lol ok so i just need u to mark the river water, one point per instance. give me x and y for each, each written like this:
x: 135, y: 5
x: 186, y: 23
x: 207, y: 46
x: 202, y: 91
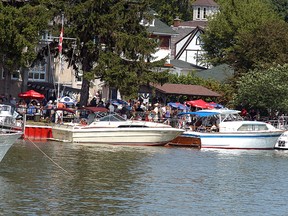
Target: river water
x: 76, y: 179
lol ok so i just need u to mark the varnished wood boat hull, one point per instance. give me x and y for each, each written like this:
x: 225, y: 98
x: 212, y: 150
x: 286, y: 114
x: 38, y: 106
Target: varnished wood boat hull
x: 182, y: 141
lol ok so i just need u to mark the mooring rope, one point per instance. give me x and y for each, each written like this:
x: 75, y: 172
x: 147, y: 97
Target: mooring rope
x: 49, y: 158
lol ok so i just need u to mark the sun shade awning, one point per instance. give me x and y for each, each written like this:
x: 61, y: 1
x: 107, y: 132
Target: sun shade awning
x: 200, y: 114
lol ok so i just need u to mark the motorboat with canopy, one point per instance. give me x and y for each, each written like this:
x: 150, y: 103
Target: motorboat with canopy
x: 231, y: 131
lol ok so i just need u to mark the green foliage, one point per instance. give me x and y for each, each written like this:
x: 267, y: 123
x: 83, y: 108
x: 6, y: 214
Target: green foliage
x: 111, y: 43
x: 225, y: 35
x: 20, y: 32
x: 281, y: 7
x: 264, y: 89
x: 262, y: 47
x: 168, y: 10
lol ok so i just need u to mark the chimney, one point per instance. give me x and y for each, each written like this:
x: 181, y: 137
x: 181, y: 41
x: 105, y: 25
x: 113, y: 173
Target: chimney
x: 177, y: 22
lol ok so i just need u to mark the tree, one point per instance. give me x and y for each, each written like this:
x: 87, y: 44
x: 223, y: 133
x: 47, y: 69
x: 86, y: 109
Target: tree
x: 264, y: 89
x: 169, y: 10
x: 281, y: 7
x: 21, y: 28
x: 261, y: 47
x: 111, y: 43
x: 225, y: 35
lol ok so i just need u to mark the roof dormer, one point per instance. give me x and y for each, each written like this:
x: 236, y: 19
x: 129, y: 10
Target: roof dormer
x: 204, y: 8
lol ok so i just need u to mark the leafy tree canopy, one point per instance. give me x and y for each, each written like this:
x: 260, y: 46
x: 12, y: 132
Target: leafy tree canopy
x: 111, y: 43
x: 225, y: 37
x: 20, y: 32
x: 168, y: 10
x: 281, y: 7
x: 265, y: 90
x: 261, y: 47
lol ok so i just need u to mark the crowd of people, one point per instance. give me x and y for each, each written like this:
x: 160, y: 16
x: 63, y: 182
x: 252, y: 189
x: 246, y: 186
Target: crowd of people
x: 139, y: 110
x: 134, y: 109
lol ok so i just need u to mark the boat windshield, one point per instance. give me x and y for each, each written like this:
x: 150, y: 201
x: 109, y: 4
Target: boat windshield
x: 112, y: 117
x: 253, y: 127
x: 5, y: 108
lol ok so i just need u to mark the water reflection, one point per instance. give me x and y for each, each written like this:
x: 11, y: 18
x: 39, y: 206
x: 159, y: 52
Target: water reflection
x: 125, y: 180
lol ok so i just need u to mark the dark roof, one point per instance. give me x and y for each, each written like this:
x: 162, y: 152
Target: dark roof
x: 181, y: 89
x: 220, y: 73
x: 185, y: 65
x: 204, y: 3
x: 44, y: 86
x: 194, y: 24
x: 160, y: 28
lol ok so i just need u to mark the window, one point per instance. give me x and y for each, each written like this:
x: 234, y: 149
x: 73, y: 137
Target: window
x: 198, y: 41
x: 204, y: 13
x: 46, y: 36
x: 146, y: 22
x: 16, y: 75
x: 198, y: 13
x: 252, y: 127
x: 79, y: 77
x: 38, y: 72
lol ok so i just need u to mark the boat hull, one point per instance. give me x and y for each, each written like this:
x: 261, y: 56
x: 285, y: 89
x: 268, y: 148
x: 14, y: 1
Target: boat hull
x: 185, y: 141
x: 282, y: 142
x: 257, y: 141
x: 7, y: 139
x: 118, y: 136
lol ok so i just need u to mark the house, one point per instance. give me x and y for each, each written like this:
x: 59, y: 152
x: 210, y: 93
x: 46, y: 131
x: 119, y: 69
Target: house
x: 187, y: 52
x: 43, y: 76
x: 186, y: 46
x: 163, y: 33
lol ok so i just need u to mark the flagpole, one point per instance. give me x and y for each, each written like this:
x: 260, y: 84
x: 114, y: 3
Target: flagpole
x: 60, y: 56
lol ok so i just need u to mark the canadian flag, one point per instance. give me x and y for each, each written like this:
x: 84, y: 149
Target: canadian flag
x: 60, y: 40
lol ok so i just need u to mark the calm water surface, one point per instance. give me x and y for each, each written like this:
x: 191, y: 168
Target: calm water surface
x: 117, y: 180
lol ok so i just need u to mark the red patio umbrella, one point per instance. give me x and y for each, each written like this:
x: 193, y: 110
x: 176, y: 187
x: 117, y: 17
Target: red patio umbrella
x: 200, y: 104
x: 31, y: 94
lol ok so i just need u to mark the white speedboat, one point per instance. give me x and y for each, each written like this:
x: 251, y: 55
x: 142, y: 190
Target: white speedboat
x: 7, y: 139
x: 232, y: 132
x: 282, y: 141
x: 8, y: 118
x: 10, y: 130
x: 114, y: 129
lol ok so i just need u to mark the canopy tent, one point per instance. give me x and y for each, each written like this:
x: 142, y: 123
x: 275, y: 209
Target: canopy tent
x: 31, y: 94
x: 67, y: 100
x: 216, y: 105
x: 199, y: 104
x: 210, y: 112
x: 177, y: 105
x: 199, y: 113
x: 118, y: 102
